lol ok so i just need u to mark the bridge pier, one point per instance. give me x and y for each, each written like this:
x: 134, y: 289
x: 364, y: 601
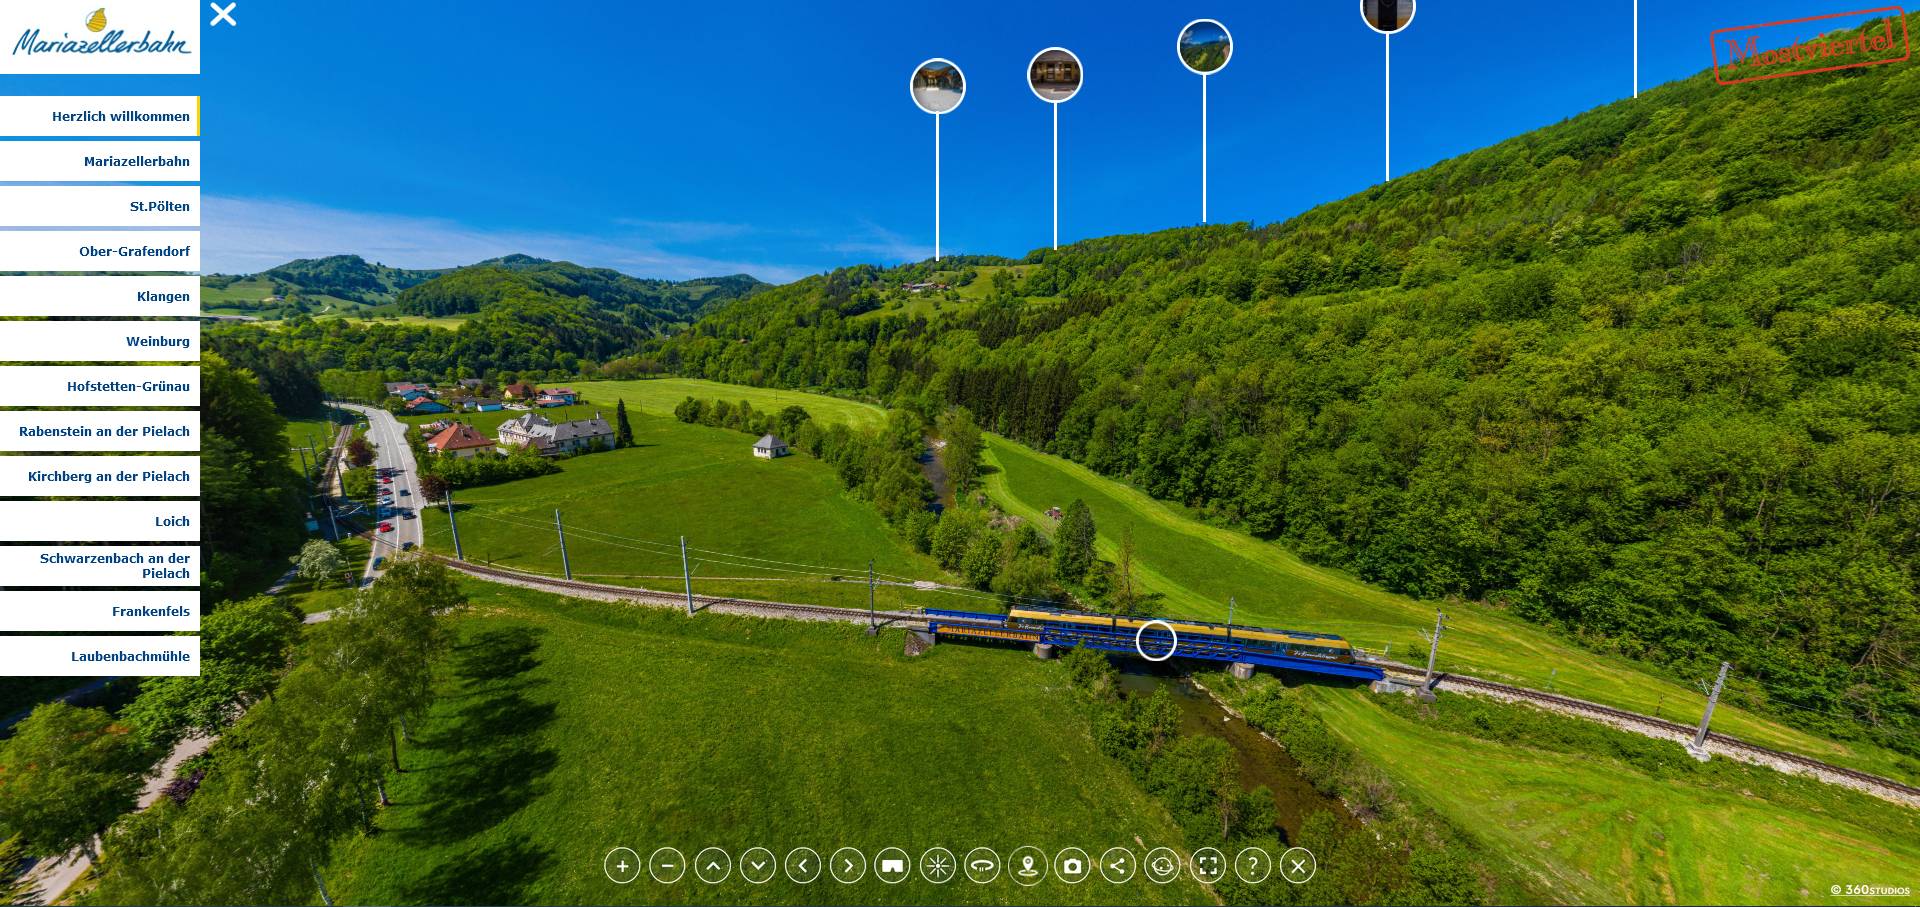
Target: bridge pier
x: 1242, y: 671
x: 918, y: 642
x: 1416, y: 690
x: 1043, y: 650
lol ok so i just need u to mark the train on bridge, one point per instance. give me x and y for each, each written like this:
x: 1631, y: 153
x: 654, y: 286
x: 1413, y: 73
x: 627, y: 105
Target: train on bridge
x: 1159, y: 639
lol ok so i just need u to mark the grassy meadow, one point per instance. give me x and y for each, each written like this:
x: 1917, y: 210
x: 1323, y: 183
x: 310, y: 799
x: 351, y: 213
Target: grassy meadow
x: 1595, y: 827
x: 781, y: 529
x: 658, y: 396
x: 568, y: 728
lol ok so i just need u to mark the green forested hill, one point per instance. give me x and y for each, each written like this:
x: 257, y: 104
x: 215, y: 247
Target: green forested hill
x: 639, y: 302
x: 1651, y: 374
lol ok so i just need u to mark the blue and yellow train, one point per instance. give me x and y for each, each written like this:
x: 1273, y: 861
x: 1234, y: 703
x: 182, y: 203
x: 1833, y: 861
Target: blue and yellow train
x: 1160, y: 638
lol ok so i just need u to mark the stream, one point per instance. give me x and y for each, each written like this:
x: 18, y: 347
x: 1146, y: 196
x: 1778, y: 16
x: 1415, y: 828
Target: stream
x: 1262, y: 762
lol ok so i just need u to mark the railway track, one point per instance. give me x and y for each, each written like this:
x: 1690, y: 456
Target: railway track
x: 1733, y: 747
x: 748, y: 606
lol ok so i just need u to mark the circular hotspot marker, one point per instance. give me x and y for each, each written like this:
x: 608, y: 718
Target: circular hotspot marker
x: 1253, y: 865
x: 1170, y: 632
x: 1027, y: 865
x: 757, y: 865
x: 1297, y: 865
x: 623, y: 870
x: 713, y: 865
x: 849, y: 865
x: 1204, y: 46
x: 1055, y: 75
x: 983, y: 865
x: 1116, y: 865
x: 667, y: 865
x: 1162, y: 865
x: 937, y: 865
x: 802, y: 865
x: 1386, y: 16
x: 937, y: 86
x: 1209, y: 865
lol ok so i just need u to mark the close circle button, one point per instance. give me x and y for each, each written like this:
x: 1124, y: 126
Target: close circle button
x: 1297, y: 865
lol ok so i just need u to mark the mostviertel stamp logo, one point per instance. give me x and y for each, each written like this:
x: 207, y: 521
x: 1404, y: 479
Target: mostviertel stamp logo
x: 1797, y: 47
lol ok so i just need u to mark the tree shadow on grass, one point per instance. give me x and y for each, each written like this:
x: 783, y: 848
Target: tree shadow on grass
x: 494, y: 760
x: 495, y: 874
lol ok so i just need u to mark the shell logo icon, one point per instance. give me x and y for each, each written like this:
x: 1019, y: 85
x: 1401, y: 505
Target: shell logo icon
x: 98, y: 21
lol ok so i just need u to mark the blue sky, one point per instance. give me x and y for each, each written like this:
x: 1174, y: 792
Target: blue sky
x: 779, y: 138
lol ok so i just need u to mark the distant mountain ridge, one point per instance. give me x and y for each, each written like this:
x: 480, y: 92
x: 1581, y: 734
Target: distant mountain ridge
x: 349, y: 284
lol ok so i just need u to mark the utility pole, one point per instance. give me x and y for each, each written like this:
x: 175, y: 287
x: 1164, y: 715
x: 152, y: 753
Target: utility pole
x: 1699, y: 746
x: 686, y: 574
x: 304, y: 470
x: 1433, y: 648
x: 1229, y: 617
x: 565, y: 568
x: 873, y: 618
x: 455, y: 525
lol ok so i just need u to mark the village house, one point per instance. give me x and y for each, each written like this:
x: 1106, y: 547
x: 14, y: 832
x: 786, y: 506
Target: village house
x: 403, y: 388
x: 552, y: 439
x: 521, y: 390
x: 483, y: 405
x: 460, y: 440
x: 424, y: 405
x: 472, y: 384
x: 770, y: 447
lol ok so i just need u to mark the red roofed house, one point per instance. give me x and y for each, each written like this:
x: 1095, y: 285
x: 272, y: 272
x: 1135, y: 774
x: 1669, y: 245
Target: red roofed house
x: 420, y: 405
x: 460, y: 440
x: 521, y: 390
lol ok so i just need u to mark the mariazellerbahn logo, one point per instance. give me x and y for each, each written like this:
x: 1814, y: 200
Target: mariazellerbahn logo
x: 109, y: 42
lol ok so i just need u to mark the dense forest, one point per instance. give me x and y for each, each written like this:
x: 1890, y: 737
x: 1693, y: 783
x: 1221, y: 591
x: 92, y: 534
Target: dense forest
x: 246, y: 480
x: 1648, y: 375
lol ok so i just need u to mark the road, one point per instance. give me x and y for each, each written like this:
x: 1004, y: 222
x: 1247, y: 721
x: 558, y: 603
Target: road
x: 389, y: 437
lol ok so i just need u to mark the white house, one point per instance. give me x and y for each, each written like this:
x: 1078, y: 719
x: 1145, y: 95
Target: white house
x: 770, y: 447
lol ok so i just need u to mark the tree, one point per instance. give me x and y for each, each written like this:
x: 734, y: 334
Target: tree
x: 622, y: 430
x: 244, y: 648
x: 690, y: 410
x: 982, y: 561
x: 1126, y: 596
x: 964, y: 444
x: 67, y: 773
x: 319, y: 560
x: 790, y: 420
x: 1073, y: 543
x: 433, y: 487
x: 360, y: 452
